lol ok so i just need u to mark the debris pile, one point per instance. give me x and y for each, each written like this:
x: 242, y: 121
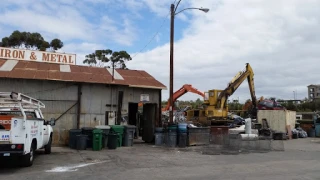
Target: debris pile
x: 178, y: 116
x: 300, y: 132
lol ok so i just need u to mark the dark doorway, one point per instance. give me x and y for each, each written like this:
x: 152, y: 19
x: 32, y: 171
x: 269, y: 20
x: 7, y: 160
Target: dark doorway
x: 132, y: 114
x: 149, y: 118
x: 133, y: 117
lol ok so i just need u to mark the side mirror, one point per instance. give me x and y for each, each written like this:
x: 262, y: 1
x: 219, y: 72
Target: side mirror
x: 52, y: 121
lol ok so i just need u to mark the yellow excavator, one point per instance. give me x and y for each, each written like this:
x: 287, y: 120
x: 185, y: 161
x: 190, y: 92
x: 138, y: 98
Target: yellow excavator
x: 215, y: 111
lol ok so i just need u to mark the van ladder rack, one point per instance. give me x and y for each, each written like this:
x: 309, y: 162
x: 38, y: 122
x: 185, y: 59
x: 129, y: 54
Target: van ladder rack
x: 13, y: 99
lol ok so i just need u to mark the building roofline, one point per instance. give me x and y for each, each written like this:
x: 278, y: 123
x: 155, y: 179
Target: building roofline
x: 76, y: 73
x: 149, y: 87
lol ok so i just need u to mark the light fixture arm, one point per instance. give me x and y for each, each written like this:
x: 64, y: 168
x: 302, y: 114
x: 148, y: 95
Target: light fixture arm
x: 190, y: 8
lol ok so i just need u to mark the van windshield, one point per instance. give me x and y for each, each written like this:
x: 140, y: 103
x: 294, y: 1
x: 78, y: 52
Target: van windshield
x: 29, y: 114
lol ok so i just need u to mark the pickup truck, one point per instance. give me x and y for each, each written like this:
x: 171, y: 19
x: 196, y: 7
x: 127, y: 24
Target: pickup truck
x: 23, y: 129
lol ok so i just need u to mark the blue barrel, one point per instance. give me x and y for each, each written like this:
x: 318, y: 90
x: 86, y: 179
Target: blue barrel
x: 182, y: 139
x: 172, y: 139
x: 182, y: 127
x: 317, y: 128
x: 312, y: 133
x: 158, y: 139
x: 159, y: 129
x: 172, y: 128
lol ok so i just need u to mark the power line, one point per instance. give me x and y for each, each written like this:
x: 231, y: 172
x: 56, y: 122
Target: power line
x: 153, y: 36
x: 165, y: 19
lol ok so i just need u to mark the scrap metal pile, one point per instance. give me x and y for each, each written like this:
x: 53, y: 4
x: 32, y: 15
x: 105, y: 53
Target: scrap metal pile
x: 178, y: 115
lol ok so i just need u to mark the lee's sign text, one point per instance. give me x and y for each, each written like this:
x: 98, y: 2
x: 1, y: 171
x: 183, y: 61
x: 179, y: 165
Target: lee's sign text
x: 37, y: 56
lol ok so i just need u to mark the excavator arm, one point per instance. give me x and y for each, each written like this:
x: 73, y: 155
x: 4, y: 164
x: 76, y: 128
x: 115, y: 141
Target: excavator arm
x: 184, y: 89
x: 235, y: 83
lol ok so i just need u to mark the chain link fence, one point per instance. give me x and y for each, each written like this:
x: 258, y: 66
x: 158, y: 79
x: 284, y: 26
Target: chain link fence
x: 234, y: 144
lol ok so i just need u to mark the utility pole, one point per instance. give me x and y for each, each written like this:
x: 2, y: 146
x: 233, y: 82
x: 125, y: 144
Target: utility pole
x: 171, y: 62
x: 173, y: 9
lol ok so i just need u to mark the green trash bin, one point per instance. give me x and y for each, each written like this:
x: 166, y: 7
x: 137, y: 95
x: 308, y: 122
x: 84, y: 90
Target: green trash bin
x: 105, y: 133
x: 118, y: 129
x: 97, y: 140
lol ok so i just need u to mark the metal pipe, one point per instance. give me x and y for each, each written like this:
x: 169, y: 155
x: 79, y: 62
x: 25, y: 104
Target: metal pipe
x: 247, y: 126
x: 171, y: 63
x: 159, y: 110
x: 111, y: 107
x: 248, y: 137
x: 79, y: 105
x: 57, y: 100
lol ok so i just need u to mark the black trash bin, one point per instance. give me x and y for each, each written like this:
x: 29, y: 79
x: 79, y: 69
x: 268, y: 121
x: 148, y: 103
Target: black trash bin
x: 182, y: 139
x: 129, y: 131
x: 73, y: 137
x: 106, y: 130
x: 113, y: 140
x: 82, y: 142
x: 89, y: 132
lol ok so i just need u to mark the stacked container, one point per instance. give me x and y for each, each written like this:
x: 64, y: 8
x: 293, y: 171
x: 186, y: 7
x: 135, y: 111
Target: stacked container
x: 171, y: 139
x: 129, y: 131
x: 159, y: 136
x: 105, y: 134
x: 118, y: 129
x: 182, y: 134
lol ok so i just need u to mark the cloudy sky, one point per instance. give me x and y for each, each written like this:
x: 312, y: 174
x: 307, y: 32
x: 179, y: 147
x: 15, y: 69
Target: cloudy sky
x: 279, y: 38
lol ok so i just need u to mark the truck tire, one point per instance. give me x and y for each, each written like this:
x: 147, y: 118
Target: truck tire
x: 27, y: 160
x: 47, y: 148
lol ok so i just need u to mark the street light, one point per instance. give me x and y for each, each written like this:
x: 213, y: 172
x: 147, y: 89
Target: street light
x: 173, y: 10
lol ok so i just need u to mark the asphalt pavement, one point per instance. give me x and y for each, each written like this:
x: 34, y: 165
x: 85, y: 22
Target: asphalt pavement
x: 300, y: 160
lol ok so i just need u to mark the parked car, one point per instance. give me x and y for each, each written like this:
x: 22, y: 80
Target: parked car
x: 270, y: 105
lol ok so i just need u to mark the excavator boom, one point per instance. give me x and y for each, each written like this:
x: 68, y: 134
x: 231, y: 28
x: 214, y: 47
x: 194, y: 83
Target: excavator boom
x: 184, y: 89
x: 235, y: 83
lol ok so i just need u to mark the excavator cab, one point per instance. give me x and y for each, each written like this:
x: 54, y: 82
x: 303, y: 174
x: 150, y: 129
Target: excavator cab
x: 212, y: 97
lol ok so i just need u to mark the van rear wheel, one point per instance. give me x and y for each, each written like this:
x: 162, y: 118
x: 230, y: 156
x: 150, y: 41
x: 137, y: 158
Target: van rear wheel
x: 27, y: 160
x: 47, y: 148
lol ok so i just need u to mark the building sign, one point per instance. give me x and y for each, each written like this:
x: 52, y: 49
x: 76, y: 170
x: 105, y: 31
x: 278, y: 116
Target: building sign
x: 144, y: 97
x: 37, y: 56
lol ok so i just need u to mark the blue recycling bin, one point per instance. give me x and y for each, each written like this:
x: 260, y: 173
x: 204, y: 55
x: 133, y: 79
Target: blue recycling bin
x: 316, y: 122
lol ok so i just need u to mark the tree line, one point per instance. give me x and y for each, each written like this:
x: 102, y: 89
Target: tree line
x: 302, y: 106
x: 34, y: 41
x: 31, y: 41
x: 108, y: 58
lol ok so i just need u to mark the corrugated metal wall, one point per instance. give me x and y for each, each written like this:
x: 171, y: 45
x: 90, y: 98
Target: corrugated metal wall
x: 60, y: 96
x: 49, y: 92
x: 95, y: 98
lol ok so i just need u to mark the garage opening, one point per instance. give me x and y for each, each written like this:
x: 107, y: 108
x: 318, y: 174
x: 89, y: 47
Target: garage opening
x: 149, y: 118
x: 134, y: 118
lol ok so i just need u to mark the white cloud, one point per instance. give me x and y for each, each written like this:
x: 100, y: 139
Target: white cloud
x: 122, y: 33
x: 67, y: 21
x: 81, y: 49
x: 64, y: 27
x: 278, y: 38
